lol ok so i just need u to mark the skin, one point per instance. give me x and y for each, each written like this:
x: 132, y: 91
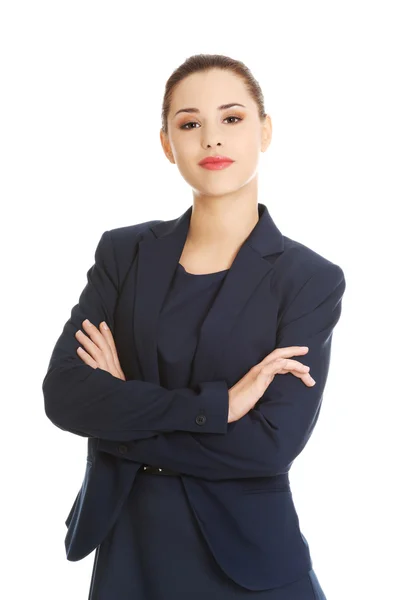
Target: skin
x: 224, y: 202
x: 224, y: 211
x: 99, y: 348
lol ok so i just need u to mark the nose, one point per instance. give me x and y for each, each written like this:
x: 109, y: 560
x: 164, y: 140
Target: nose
x: 212, y: 145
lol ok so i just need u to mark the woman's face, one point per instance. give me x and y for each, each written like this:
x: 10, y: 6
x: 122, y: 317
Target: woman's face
x: 236, y: 132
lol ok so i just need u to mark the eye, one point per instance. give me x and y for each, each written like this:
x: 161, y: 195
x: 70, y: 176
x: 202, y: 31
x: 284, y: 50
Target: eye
x: 184, y: 126
x: 234, y: 117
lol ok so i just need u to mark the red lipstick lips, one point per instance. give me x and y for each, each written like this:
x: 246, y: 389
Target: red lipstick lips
x: 216, y: 162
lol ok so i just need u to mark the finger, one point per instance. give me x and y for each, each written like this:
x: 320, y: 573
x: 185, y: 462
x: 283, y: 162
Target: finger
x: 299, y: 370
x: 86, y: 358
x: 106, y: 332
x: 308, y: 380
x: 91, y: 348
x: 285, y: 353
x: 116, y: 367
x: 100, y: 341
x: 95, y: 335
x: 287, y: 364
x: 102, y: 348
x: 306, y: 377
x: 301, y: 373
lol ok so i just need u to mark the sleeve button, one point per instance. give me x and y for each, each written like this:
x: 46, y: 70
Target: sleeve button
x: 201, y: 419
x: 123, y: 448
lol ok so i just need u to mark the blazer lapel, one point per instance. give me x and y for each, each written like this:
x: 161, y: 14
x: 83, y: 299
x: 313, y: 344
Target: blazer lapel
x: 157, y: 261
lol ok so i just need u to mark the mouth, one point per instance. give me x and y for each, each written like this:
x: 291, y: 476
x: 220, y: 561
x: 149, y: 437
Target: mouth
x: 216, y: 166
x: 216, y: 163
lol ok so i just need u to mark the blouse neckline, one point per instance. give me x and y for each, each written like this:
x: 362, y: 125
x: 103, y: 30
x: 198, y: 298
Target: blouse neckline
x: 215, y: 273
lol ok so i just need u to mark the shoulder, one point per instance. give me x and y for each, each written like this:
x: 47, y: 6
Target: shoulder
x: 119, y: 245
x: 125, y: 239
x: 131, y: 233
x: 299, y: 258
x: 300, y: 266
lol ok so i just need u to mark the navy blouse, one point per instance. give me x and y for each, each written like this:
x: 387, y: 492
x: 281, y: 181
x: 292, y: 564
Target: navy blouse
x: 187, y: 303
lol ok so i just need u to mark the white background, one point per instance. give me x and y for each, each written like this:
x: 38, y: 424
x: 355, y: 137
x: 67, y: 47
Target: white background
x: 81, y: 92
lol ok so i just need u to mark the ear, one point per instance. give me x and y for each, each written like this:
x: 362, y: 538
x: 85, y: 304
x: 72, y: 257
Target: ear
x: 166, y: 146
x: 266, y: 133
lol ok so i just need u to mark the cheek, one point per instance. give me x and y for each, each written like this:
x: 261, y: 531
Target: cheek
x: 245, y: 144
x: 185, y: 153
x: 184, y: 162
x: 248, y: 156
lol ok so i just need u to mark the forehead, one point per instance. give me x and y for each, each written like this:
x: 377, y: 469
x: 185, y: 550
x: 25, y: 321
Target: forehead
x: 212, y: 87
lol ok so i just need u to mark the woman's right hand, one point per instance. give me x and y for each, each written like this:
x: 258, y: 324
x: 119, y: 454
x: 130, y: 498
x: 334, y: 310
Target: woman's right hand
x: 244, y: 395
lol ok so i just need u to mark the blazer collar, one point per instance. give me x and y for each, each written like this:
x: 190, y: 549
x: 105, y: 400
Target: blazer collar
x: 158, y: 257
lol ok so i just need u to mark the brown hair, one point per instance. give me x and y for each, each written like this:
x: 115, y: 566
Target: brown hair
x: 205, y: 62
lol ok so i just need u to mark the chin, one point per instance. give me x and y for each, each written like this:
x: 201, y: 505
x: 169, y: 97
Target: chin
x: 214, y: 191
x: 221, y: 188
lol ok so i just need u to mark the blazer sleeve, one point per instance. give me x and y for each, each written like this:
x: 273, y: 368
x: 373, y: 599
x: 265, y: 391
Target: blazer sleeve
x: 93, y: 403
x: 266, y: 440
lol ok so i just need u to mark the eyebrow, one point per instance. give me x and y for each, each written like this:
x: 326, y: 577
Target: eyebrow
x: 196, y: 110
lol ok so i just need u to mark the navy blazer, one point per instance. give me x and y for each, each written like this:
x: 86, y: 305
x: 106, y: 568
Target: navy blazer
x: 277, y: 293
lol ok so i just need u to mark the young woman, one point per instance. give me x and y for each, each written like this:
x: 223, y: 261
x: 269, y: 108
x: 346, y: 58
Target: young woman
x: 195, y: 363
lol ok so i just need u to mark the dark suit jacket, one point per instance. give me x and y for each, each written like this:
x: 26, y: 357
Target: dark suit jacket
x: 277, y: 293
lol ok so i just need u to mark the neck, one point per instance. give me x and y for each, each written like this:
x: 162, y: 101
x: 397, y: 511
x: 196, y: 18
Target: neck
x: 222, y: 221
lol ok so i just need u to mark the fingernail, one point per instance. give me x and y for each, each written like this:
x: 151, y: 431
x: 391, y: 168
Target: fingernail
x: 87, y: 322
x: 313, y: 381
x: 105, y: 325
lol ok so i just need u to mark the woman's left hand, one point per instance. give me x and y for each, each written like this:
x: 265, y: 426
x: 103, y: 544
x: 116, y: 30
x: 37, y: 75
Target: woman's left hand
x: 99, y: 348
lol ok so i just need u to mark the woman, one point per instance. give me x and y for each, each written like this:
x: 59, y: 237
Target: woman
x: 186, y: 494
